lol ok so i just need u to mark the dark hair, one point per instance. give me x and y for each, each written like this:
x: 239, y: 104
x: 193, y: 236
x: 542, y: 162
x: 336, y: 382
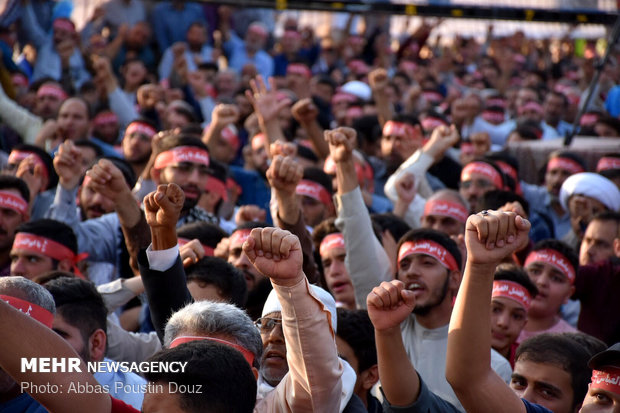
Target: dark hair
x: 85, y: 143
x: 355, y: 327
x: 192, y: 129
x: 560, y: 95
x: 252, y: 225
x: 173, y: 141
x: 52, y: 275
x: 323, y: 229
x: 407, y: 118
x: 226, y: 379
x: 388, y: 221
x: 609, y: 216
x: 592, y: 344
x: 317, y: 175
x: 529, y: 130
x: 207, y: 233
x: 45, y: 158
x: 125, y: 168
x: 560, y: 247
x: 79, y: 303
x: 563, y: 352
x: 307, y: 153
x: 518, y: 275
x: 368, y: 129
x: 52, y: 229
x: 504, y: 157
x: 497, y: 198
x: 435, y: 236
x: 13, y: 182
x: 611, y: 122
x: 228, y: 280
x: 328, y: 81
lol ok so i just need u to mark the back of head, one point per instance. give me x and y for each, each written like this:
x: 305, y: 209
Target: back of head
x: 392, y: 223
x: 227, y: 280
x: 355, y: 328
x: 79, y: 303
x: 208, y: 234
x: 562, y: 352
x: 219, y: 320
x: 221, y: 373
x: 24, y: 289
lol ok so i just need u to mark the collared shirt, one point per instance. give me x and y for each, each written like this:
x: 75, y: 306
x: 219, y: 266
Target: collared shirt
x: 122, y: 386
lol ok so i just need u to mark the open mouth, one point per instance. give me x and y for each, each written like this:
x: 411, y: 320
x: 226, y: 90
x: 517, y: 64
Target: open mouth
x: 414, y: 286
x: 339, y: 287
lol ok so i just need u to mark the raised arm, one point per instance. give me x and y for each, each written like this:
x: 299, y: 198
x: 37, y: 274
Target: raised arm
x: 306, y: 113
x: 267, y: 106
x: 489, y: 237
x: 313, y: 382
x: 378, y: 80
x: 283, y: 175
x: 366, y: 260
x: 23, y: 337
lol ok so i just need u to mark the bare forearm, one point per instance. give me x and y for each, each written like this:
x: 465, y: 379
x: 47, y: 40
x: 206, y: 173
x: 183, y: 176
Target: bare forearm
x: 399, y: 380
x: 129, y: 213
x: 163, y: 238
x: 469, y: 340
x: 273, y: 131
x: 384, y: 108
x: 316, y: 136
x: 288, y: 207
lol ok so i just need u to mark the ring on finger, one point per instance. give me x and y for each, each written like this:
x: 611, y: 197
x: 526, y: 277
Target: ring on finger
x: 484, y: 213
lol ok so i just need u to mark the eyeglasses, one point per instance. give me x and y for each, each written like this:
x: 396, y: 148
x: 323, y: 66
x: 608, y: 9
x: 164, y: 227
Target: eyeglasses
x: 266, y: 324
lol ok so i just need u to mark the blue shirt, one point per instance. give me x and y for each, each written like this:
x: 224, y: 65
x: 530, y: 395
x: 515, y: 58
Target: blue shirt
x: 534, y: 408
x: 238, y: 57
x: 23, y: 403
x: 170, y: 24
x: 255, y: 189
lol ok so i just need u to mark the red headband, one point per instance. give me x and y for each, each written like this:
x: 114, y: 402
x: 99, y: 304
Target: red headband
x: 566, y: 164
x: 229, y: 134
x: 299, y: 69
x: 553, y: 258
x: 533, y: 106
x: 104, y: 118
x: 208, y: 250
x: 608, y: 379
x: 182, y: 154
x: 446, y: 209
x: 398, y: 129
x: 431, y: 248
x: 314, y: 190
x: 343, y: 97
x: 331, y: 241
x: 492, y: 116
x: 141, y: 128
x: 49, y: 248
x: 484, y: 169
x: 606, y: 163
x: 513, y: 291
x: 64, y: 24
x: 239, y: 236
x: 17, y: 156
x: 588, y: 119
x: 16, y: 203
x: 258, y: 29
x: 52, y: 90
x: 429, y: 123
x: 19, y: 80
x: 218, y: 187
x: 32, y: 310
x: 432, y: 96
x: 497, y: 102
x: 247, y: 354
x: 258, y: 141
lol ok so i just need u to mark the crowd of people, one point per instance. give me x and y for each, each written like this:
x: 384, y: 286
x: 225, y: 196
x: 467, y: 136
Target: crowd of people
x: 330, y: 224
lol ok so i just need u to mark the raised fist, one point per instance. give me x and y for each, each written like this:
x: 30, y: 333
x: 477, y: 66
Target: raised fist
x: 68, y: 165
x: 163, y: 206
x: 341, y: 142
x: 378, y: 80
x: 305, y: 111
x: 108, y: 180
x: 389, y: 305
x: 275, y: 253
x: 284, y: 173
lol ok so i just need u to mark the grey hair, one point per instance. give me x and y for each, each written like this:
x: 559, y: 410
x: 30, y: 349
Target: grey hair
x: 27, y: 290
x: 209, y: 318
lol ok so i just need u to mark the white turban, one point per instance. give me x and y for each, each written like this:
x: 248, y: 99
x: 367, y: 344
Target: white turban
x: 591, y: 185
x: 272, y: 304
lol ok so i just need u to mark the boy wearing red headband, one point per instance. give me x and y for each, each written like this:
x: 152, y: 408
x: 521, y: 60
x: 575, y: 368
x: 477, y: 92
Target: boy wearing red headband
x: 552, y: 267
x: 510, y: 300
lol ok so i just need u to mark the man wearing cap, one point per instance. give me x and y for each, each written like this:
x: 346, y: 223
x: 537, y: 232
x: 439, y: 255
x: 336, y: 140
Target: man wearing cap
x: 604, y: 390
x: 14, y: 210
x: 240, y: 52
x: 584, y: 195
